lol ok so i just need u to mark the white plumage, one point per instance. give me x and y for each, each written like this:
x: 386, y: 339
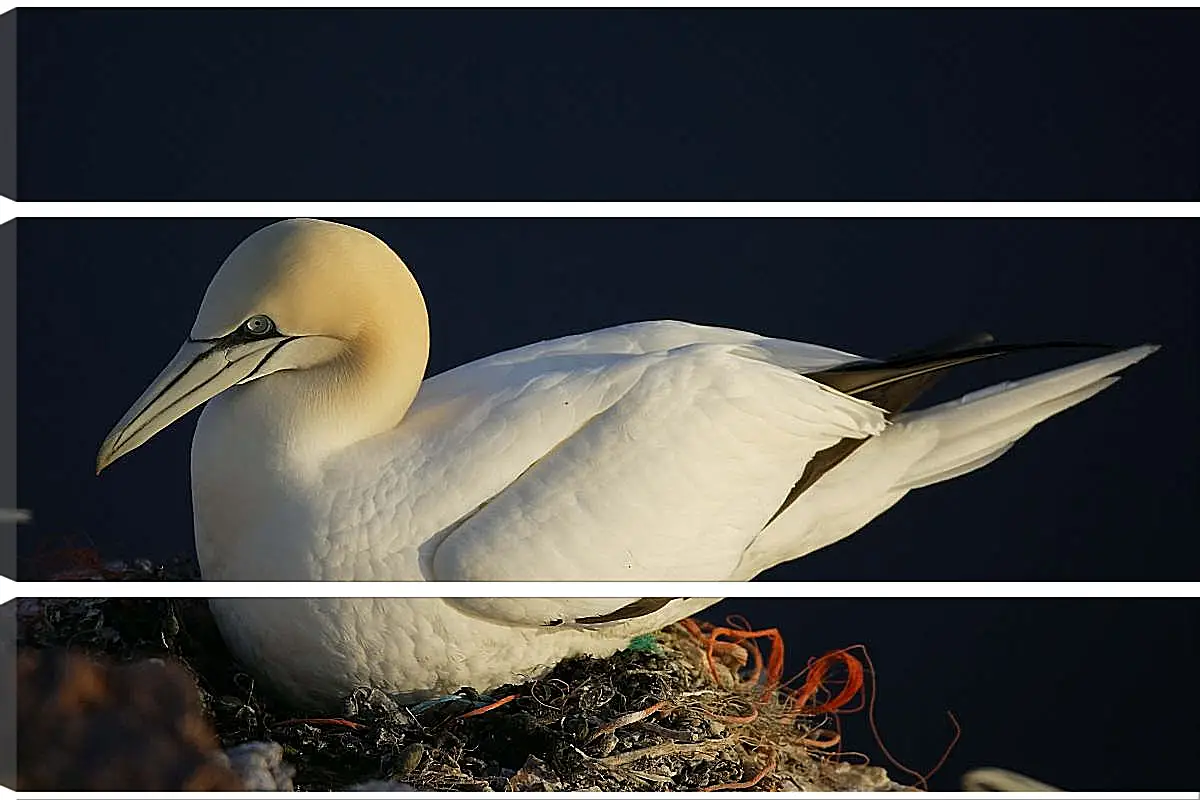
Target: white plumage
x: 651, y: 451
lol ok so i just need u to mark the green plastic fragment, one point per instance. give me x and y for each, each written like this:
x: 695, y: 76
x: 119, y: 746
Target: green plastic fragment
x: 645, y: 643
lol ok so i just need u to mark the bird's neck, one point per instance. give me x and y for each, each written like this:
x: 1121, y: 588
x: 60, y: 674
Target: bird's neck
x: 260, y: 449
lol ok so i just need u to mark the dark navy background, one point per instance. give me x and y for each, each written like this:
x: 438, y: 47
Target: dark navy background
x: 458, y: 104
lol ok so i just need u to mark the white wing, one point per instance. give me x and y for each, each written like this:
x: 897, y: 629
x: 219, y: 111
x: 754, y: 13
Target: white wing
x: 635, y: 453
x: 641, y: 338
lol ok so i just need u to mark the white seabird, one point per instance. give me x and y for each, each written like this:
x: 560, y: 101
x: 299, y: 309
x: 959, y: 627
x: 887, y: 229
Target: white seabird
x: 651, y: 451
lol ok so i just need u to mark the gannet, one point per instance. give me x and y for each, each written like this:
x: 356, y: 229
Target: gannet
x: 649, y: 451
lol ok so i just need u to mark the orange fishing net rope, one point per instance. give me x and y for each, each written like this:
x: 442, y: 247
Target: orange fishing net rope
x: 830, y: 683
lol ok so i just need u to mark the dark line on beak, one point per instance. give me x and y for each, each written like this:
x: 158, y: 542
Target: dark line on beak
x: 125, y: 434
x: 270, y: 353
x: 164, y: 390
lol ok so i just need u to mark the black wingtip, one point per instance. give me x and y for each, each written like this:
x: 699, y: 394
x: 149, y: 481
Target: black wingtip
x: 965, y: 353
x: 950, y: 344
x: 895, y: 383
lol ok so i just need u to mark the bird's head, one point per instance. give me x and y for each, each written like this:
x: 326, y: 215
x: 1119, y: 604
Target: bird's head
x: 300, y: 294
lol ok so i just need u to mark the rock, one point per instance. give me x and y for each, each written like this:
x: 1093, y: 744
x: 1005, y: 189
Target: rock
x: 86, y: 726
x: 261, y: 767
x: 848, y: 777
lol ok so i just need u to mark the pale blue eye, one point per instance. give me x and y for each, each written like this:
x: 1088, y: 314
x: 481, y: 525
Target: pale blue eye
x: 258, y: 325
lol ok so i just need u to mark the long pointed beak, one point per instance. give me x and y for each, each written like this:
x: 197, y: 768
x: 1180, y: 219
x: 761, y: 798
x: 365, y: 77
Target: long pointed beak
x: 199, y: 372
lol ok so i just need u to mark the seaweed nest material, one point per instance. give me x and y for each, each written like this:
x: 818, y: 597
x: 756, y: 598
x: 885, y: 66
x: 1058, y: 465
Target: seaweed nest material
x: 683, y: 710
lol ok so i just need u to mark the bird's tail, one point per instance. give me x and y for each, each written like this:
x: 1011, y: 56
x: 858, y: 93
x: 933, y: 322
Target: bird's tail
x: 979, y: 427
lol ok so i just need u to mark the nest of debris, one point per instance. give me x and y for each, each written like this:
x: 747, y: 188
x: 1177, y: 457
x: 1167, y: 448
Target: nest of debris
x: 683, y: 710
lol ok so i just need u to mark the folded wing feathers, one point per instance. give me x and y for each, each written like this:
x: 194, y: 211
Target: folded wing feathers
x: 978, y: 427
x: 972, y: 430
x: 973, y: 447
